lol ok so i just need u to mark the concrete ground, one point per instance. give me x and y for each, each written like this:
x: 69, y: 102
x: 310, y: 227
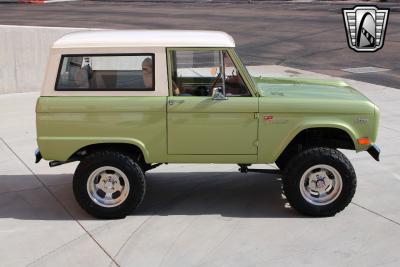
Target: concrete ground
x: 309, y: 36
x: 195, y: 215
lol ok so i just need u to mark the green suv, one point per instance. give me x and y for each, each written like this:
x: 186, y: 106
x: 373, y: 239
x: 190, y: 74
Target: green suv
x: 124, y: 102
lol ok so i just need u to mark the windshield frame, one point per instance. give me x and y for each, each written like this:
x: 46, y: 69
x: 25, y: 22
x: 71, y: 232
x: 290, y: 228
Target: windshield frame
x: 248, y: 79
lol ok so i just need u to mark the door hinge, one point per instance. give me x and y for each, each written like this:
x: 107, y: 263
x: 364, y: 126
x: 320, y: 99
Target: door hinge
x: 256, y: 115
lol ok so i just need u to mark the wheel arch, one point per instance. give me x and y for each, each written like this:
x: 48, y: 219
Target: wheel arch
x: 332, y: 136
x: 135, y: 149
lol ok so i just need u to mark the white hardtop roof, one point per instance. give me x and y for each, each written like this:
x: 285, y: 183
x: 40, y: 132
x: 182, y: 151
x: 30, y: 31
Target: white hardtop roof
x: 144, y: 38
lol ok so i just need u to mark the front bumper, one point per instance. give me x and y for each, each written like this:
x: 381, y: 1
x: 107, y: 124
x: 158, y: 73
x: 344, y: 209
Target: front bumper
x: 374, y: 151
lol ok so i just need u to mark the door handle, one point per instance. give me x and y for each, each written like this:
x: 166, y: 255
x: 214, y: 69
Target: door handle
x: 174, y: 101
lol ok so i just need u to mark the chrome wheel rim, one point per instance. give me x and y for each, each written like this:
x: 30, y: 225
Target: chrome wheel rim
x: 108, y: 186
x: 321, y: 185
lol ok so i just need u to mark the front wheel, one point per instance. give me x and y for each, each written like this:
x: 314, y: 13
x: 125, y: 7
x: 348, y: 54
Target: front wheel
x: 319, y: 182
x: 108, y: 184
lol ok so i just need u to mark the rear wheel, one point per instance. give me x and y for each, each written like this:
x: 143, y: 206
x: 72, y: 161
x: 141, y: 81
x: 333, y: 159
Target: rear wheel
x: 319, y: 182
x: 109, y: 184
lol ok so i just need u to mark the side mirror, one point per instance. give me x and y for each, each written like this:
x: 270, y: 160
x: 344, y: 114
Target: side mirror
x: 218, y: 94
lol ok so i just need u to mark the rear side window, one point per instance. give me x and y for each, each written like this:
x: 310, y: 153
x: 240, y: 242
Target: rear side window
x: 131, y: 72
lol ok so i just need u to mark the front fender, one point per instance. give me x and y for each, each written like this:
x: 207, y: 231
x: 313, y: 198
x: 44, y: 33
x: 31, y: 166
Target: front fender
x: 276, y: 136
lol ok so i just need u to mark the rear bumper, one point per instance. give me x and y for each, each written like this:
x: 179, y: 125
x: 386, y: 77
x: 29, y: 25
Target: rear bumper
x: 374, y: 151
x: 38, y: 156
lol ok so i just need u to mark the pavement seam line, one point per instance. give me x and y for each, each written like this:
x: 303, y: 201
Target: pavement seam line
x: 159, y: 208
x: 56, y: 249
x: 67, y: 244
x: 59, y: 202
x: 174, y: 241
x: 20, y: 190
x: 376, y: 213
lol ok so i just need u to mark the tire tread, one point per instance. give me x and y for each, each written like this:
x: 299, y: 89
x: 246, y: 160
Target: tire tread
x: 105, y: 157
x: 294, y: 169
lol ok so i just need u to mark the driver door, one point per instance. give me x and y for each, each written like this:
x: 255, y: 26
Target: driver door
x: 207, y: 114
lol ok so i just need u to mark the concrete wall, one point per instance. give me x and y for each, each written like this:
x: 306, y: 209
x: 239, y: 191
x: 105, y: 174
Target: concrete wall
x: 24, y: 52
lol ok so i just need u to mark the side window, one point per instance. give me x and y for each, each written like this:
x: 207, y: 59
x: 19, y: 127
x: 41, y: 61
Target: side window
x: 200, y: 73
x: 133, y: 72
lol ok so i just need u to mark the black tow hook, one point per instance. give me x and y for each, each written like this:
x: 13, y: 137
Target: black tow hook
x: 56, y: 163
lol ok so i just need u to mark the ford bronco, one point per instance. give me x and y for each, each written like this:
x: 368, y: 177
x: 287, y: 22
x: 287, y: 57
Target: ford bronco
x: 124, y: 102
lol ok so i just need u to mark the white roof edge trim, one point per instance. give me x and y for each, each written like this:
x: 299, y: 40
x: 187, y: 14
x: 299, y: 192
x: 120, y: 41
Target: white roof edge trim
x: 144, y: 38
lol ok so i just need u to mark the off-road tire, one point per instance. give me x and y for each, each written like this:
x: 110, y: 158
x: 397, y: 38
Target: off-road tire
x: 300, y: 163
x: 114, y: 159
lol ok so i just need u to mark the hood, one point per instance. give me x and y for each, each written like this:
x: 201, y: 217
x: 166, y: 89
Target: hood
x: 306, y: 88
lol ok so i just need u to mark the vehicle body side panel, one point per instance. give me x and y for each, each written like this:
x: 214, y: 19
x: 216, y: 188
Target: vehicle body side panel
x: 66, y: 124
x: 229, y: 159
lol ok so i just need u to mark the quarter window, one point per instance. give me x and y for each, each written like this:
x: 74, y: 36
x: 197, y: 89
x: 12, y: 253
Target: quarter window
x: 133, y: 72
